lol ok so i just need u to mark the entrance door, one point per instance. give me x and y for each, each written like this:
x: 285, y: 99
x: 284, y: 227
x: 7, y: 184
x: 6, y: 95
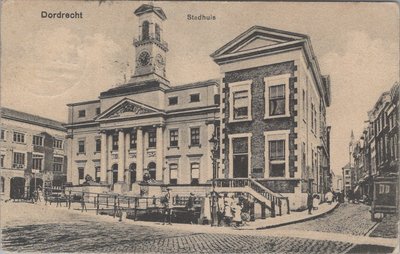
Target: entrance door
x: 240, y: 166
x: 115, y: 173
x: 39, y: 183
x: 17, y: 187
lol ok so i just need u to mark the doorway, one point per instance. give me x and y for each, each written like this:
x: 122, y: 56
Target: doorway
x: 17, y: 187
x: 240, y: 166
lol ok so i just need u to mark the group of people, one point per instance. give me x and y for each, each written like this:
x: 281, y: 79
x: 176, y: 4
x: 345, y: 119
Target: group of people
x: 313, y: 200
x: 233, y: 211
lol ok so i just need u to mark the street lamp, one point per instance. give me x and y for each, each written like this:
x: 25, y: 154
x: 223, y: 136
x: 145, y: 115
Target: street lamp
x: 214, y: 151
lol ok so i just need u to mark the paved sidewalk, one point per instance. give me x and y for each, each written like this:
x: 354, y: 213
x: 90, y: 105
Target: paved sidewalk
x: 293, y: 217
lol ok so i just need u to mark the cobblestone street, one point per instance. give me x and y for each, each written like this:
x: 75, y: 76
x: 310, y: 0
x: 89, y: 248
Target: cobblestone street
x: 352, y: 219
x: 63, y: 230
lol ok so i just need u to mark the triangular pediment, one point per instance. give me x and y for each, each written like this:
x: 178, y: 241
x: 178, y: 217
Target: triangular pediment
x: 127, y: 108
x: 256, y: 42
x: 257, y: 38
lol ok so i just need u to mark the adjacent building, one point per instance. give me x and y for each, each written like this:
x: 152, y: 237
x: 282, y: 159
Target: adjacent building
x: 268, y: 114
x: 32, y: 153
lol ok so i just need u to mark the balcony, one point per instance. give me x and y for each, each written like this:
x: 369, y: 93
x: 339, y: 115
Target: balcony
x: 161, y: 43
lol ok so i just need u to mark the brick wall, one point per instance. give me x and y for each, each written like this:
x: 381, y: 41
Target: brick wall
x: 259, y: 125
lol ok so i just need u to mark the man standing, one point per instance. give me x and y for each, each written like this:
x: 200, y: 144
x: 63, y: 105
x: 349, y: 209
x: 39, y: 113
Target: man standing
x: 190, y: 208
x: 309, y: 202
x: 329, y: 197
x: 167, y: 206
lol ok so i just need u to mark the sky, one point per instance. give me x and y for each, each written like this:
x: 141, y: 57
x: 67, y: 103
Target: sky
x: 47, y: 63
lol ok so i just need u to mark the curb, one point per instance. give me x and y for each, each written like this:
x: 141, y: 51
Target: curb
x: 297, y: 221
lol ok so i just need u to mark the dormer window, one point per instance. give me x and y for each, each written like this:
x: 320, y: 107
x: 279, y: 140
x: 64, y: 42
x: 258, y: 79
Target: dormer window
x: 158, y: 33
x: 145, y: 30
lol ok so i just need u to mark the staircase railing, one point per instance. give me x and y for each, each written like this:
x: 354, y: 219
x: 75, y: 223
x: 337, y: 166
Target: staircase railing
x: 276, y: 199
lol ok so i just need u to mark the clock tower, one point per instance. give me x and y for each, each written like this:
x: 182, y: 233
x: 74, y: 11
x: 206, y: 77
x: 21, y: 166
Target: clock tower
x: 150, y: 47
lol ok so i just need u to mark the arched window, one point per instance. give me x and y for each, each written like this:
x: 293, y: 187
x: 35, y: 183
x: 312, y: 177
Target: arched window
x: 145, y: 30
x: 152, y: 170
x: 158, y: 33
x: 2, y: 185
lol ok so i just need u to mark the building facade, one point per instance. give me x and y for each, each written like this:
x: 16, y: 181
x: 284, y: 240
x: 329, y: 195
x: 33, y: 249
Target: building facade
x: 146, y: 129
x: 273, y: 112
x: 32, y: 153
x: 268, y: 114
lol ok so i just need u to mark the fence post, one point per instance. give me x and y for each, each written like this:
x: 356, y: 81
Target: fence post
x: 280, y: 207
x: 115, y: 206
x: 69, y: 200
x: 136, y: 205
x: 98, y: 204
x: 288, y: 207
x: 272, y: 208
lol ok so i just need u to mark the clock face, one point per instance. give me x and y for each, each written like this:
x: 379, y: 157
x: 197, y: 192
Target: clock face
x: 160, y: 61
x: 144, y: 58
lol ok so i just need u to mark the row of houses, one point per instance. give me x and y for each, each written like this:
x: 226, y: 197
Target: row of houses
x: 376, y: 152
x: 267, y: 113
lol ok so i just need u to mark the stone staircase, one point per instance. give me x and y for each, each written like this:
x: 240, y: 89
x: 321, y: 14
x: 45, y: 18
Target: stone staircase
x: 274, y: 202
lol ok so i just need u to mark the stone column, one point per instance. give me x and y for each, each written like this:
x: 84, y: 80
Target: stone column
x: 103, y: 158
x: 126, y: 153
x: 121, y: 155
x: 159, y: 153
x: 139, y: 155
x: 109, y: 145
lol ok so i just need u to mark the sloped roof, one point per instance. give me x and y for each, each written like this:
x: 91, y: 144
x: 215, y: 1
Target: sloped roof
x: 12, y: 114
x: 146, y: 8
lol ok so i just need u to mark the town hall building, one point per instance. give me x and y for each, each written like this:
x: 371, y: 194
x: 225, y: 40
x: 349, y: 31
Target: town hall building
x: 268, y: 113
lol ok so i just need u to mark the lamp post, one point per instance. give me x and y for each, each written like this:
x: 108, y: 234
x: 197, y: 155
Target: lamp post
x: 214, y: 150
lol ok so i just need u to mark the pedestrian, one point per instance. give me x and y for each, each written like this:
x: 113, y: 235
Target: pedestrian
x: 83, y: 203
x: 316, y: 201
x: 309, y: 202
x: 190, y: 208
x: 329, y: 197
x: 245, y: 210
x: 227, y: 213
x: 237, y: 216
x: 220, y: 211
x: 167, y: 207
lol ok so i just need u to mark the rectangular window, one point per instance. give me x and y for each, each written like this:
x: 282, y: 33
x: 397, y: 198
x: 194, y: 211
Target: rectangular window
x: 97, y: 174
x: 133, y: 144
x: 98, y: 145
x: 2, y: 160
x: 195, y: 97
x: 18, y: 160
x: 81, y: 146
x: 312, y: 116
x: 240, y: 157
x: 195, y: 173
x: 315, y: 121
x: 2, y: 134
x: 81, y: 173
x: 98, y: 111
x: 194, y: 136
x: 277, y: 100
x: 173, y: 138
x: 173, y: 173
x: 37, y: 162
x: 19, y: 137
x: 173, y: 100
x: 82, y: 113
x: 37, y: 140
x: 58, y: 143
x: 277, y: 158
x: 241, y: 104
x: 115, y: 142
x: 58, y: 163
x: 304, y: 105
x: 152, y: 139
